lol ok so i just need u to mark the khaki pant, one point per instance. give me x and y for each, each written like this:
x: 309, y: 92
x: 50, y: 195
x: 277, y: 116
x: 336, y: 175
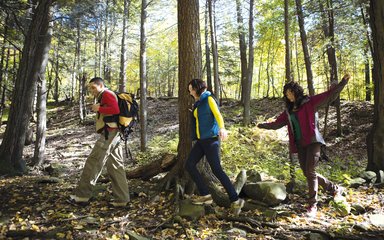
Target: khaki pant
x: 109, y: 153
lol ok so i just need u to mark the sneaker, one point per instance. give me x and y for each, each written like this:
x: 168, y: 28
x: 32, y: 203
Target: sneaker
x: 339, y: 192
x: 236, y: 206
x: 119, y: 204
x: 311, y: 211
x: 78, y: 199
x: 199, y: 200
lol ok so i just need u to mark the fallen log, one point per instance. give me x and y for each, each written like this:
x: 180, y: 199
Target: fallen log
x: 150, y: 170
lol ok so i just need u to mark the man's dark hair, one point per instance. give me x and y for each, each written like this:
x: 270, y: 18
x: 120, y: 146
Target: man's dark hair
x: 97, y: 80
x: 298, y: 91
x: 198, y: 85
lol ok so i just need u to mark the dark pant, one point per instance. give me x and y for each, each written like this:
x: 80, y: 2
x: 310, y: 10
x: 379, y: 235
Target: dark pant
x: 309, y: 157
x: 211, y: 149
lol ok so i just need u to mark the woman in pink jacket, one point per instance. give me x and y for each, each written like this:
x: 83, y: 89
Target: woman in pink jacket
x: 304, y: 136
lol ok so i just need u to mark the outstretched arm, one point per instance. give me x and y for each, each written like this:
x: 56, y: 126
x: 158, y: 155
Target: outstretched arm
x: 324, y: 98
x: 280, y: 122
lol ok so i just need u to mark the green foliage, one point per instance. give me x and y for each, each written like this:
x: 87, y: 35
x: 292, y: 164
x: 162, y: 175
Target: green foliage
x: 158, y: 146
x: 253, y: 148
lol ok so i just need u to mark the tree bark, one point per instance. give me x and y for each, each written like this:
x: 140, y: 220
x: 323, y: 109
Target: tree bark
x: 215, y: 54
x: 123, y: 53
x: 247, y: 97
x: 143, y: 78
x: 31, y: 65
x: 243, y: 51
x: 329, y: 33
x: 39, y: 154
x: 303, y: 36
x: 288, y: 75
x: 207, y: 48
x: 375, y: 139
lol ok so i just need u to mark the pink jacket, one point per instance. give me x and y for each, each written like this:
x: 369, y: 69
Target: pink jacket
x: 307, y: 118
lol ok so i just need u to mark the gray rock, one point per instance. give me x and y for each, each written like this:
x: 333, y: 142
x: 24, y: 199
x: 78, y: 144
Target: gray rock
x: 380, y: 176
x: 369, y: 176
x: 357, y: 209
x: 356, y: 182
x: 191, y: 211
x: 268, y: 192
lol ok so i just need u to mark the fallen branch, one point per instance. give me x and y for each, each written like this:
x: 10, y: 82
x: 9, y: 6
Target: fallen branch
x: 152, y: 169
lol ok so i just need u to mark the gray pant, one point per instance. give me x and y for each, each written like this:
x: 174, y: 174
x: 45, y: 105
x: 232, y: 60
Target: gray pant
x: 105, y: 152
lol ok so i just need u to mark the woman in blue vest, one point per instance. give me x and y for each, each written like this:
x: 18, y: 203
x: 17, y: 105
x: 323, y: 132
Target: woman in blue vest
x: 208, y: 129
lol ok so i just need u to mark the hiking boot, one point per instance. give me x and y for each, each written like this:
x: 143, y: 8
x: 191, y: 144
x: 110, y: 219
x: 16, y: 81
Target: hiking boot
x: 236, y: 206
x: 78, y: 199
x: 311, y: 211
x: 199, y: 200
x: 119, y: 204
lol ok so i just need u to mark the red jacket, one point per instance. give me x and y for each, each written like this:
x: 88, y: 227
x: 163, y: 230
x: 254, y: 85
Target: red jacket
x: 108, y: 107
x: 307, y: 118
x: 108, y: 103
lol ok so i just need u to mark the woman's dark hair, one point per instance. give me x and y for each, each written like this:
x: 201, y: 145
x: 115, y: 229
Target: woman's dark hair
x: 198, y: 85
x: 298, y: 91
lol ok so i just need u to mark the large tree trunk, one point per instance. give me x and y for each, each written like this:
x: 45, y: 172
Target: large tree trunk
x: 39, y: 155
x: 31, y: 65
x: 247, y: 97
x: 215, y: 54
x: 143, y: 77
x: 189, y: 68
x: 303, y: 36
x: 375, y: 139
x: 243, y: 51
x: 123, y: 53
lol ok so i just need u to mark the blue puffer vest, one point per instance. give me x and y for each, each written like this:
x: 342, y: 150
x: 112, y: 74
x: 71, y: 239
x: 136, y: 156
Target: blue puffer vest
x: 208, y: 126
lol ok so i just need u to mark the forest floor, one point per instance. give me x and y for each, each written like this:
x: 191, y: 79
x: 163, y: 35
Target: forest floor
x: 37, y: 206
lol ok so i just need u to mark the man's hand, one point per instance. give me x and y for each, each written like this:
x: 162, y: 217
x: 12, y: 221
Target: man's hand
x: 223, y: 134
x: 95, y: 107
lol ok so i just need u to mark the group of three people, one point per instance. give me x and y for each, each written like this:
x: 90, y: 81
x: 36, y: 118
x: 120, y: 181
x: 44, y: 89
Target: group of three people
x: 207, y: 131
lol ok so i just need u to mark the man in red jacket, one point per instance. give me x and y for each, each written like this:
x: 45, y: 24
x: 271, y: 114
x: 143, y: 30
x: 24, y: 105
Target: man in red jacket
x: 107, y: 150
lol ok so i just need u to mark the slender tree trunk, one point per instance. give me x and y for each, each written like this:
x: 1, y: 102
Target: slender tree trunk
x: 56, y: 94
x: 5, y: 31
x: 329, y: 33
x: 143, y: 77
x: 215, y: 56
x: 297, y: 61
x: 207, y: 49
x: 247, y: 97
x: 36, y: 45
x: 123, y: 54
x: 106, y: 49
x: 375, y: 139
x: 80, y: 76
x: 304, y: 43
x: 287, y: 48
x: 243, y: 51
x: 367, y: 71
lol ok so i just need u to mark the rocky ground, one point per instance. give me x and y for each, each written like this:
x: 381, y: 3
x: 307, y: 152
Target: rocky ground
x: 36, y: 206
